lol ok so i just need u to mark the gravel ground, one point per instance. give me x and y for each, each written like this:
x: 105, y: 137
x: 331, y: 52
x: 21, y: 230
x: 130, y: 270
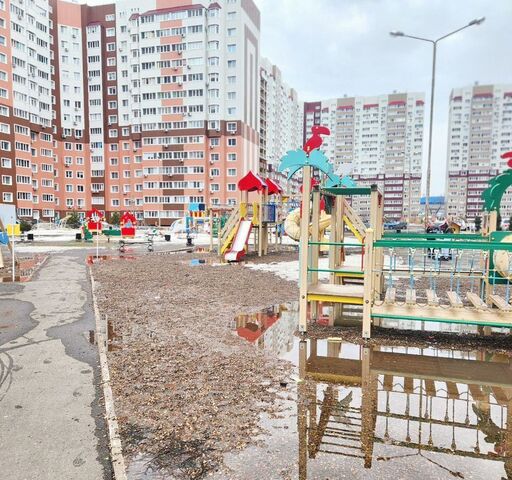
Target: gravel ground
x: 186, y: 388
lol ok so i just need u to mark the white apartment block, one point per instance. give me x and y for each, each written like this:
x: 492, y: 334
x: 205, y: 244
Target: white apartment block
x: 480, y: 130
x: 381, y: 139
x: 281, y: 123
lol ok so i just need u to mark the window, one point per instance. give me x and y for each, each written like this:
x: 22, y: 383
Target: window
x: 231, y: 172
x: 232, y: 47
x: 232, y: 111
x: 6, y: 163
x: 214, y: 187
x: 231, y: 142
x: 231, y: 187
x: 231, y: 157
x: 231, y: 127
x: 111, y: 90
x: 231, y: 32
x: 6, y: 180
x: 7, y: 197
x: 111, y: 32
x: 214, y: 142
x: 231, y: 63
x: 111, y: 61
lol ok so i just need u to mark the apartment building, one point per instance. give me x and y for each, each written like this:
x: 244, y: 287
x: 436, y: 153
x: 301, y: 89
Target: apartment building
x: 479, y: 131
x: 380, y: 141
x: 281, y: 123
x: 125, y: 106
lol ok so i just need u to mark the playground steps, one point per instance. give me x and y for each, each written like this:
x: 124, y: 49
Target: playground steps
x: 432, y: 298
x: 500, y: 302
x: 354, y: 222
x: 390, y: 297
x: 476, y: 301
x: 228, y: 231
x: 455, y: 300
x: 328, y: 292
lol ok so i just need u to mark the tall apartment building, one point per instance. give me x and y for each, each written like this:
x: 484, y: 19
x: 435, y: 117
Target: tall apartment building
x: 480, y: 130
x: 381, y: 139
x: 127, y: 107
x: 281, y: 123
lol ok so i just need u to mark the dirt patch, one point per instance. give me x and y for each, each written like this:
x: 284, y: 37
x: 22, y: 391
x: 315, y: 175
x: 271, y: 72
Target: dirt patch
x: 186, y: 388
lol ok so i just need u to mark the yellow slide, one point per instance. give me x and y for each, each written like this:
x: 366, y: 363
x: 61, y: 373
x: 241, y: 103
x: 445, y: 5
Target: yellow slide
x: 292, y: 224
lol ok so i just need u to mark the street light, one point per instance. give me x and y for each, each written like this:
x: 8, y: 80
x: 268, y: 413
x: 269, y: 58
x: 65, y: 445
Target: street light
x: 397, y: 33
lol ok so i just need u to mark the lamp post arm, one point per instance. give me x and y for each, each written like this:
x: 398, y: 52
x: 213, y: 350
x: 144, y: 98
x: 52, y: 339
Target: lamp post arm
x: 418, y: 38
x: 452, y: 33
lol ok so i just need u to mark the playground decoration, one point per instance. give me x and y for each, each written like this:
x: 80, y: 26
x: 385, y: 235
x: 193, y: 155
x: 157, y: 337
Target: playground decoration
x: 93, y: 220
x: 479, y: 267
x: 128, y: 224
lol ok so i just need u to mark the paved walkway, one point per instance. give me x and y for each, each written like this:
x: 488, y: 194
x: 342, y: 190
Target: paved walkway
x: 51, y: 423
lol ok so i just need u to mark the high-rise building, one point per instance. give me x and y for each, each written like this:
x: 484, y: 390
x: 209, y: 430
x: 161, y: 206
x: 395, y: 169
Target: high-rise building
x: 281, y: 122
x: 127, y: 107
x: 380, y: 139
x: 480, y: 130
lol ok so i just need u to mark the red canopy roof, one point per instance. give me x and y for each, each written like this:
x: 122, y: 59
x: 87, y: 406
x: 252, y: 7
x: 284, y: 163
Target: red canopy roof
x: 251, y: 182
x: 273, y: 187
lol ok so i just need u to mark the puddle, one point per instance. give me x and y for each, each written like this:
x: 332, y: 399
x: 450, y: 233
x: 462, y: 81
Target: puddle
x: 271, y: 329
x: 378, y: 411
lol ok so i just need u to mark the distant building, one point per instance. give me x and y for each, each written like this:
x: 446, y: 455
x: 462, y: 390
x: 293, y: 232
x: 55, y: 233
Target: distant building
x: 479, y: 131
x: 381, y: 138
x: 281, y: 120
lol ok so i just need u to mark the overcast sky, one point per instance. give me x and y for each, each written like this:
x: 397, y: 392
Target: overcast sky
x: 327, y: 48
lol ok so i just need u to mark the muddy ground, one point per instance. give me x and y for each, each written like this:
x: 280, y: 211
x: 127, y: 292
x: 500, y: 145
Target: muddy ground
x: 186, y: 388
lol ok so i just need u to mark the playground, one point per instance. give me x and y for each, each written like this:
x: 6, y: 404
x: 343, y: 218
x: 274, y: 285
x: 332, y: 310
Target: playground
x: 296, y: 331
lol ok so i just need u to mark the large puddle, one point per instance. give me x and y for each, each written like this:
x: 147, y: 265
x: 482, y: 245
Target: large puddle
x: 378, y: 411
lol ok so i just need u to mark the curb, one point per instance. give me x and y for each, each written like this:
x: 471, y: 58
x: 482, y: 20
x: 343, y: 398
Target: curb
x: 116, y: 449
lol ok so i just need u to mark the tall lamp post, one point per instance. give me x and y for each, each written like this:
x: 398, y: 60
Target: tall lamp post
x: 476, y: 21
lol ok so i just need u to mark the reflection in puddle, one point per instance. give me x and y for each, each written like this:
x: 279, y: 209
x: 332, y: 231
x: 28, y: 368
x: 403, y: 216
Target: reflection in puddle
x: 271, y: 329
x: 445, y: 409
x: 382, y: 411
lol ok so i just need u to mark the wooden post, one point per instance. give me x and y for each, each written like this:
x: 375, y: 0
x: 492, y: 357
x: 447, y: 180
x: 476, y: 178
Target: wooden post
x: 302, y: 425
x: 303, y: 246
x: 376, y: 225
x: 315, y: 249
x: 369, y: 395
x: 368, y: 283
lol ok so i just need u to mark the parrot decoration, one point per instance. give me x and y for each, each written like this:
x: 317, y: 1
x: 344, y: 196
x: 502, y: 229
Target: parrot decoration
x: 497, y: 186
x: 310, y: 155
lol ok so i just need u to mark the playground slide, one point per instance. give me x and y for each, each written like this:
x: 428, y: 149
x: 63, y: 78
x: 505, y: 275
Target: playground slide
x: 237, y: 250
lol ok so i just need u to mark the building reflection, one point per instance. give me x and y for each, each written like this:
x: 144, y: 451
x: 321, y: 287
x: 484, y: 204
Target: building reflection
x: 271, y: 329
x: 384, y: 403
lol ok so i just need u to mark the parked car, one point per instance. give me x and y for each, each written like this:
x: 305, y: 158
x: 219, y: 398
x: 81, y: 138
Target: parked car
x: 395, y: 225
